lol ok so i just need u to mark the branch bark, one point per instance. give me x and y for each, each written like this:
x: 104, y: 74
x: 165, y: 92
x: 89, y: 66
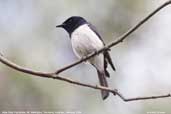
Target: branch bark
x: 56, y: 76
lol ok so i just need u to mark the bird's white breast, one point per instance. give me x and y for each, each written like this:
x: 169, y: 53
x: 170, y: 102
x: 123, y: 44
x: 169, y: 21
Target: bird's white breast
x: 85, y: 41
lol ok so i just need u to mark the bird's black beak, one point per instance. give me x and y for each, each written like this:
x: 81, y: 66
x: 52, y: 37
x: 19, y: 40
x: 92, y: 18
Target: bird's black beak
x: 62, y: 25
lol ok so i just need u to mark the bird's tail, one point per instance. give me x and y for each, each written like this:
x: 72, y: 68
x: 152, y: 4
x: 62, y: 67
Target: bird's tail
x: 103, y: 82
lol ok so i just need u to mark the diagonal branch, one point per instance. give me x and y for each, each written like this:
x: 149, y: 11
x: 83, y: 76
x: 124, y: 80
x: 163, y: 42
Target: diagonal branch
x: 54, y: 76
x: 120, y: 39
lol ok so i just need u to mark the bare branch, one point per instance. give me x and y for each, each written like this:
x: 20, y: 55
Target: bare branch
x: 120, y: 39
x: 55, y: 76
x: 147, y: 98
x: 142, y: 98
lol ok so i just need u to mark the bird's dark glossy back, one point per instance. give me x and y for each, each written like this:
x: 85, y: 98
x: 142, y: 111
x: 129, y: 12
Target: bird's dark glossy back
x: 72, y: 23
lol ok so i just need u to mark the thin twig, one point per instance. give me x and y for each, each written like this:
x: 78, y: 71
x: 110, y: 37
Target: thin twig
x: 55, y: 76
x: 147, y: 98
x: 142, y: 98
x: 120, y: 39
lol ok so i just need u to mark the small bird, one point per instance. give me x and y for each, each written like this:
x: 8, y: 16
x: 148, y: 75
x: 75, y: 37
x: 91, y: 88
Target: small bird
x: 85, y: 40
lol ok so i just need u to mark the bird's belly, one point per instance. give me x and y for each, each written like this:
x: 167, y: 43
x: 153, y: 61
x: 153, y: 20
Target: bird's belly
x: 84, y: 46
x: 81, y: 49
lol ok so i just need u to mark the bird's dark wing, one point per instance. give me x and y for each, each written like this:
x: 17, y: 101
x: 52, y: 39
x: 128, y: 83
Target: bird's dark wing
x: 95, y: 30
x: 105, y: 67
x: 107, y: 58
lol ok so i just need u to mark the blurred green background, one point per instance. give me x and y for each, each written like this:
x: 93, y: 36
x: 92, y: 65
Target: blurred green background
x: 29, y: 38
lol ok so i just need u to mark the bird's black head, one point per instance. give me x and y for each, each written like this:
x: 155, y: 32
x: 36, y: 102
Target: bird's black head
x: 72, y: 23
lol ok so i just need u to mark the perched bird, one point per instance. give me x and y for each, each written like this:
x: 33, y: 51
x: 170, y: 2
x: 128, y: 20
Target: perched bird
x: 86, y: 40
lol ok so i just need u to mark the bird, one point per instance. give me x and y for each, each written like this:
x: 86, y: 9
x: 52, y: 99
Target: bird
x: 85, y: 40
